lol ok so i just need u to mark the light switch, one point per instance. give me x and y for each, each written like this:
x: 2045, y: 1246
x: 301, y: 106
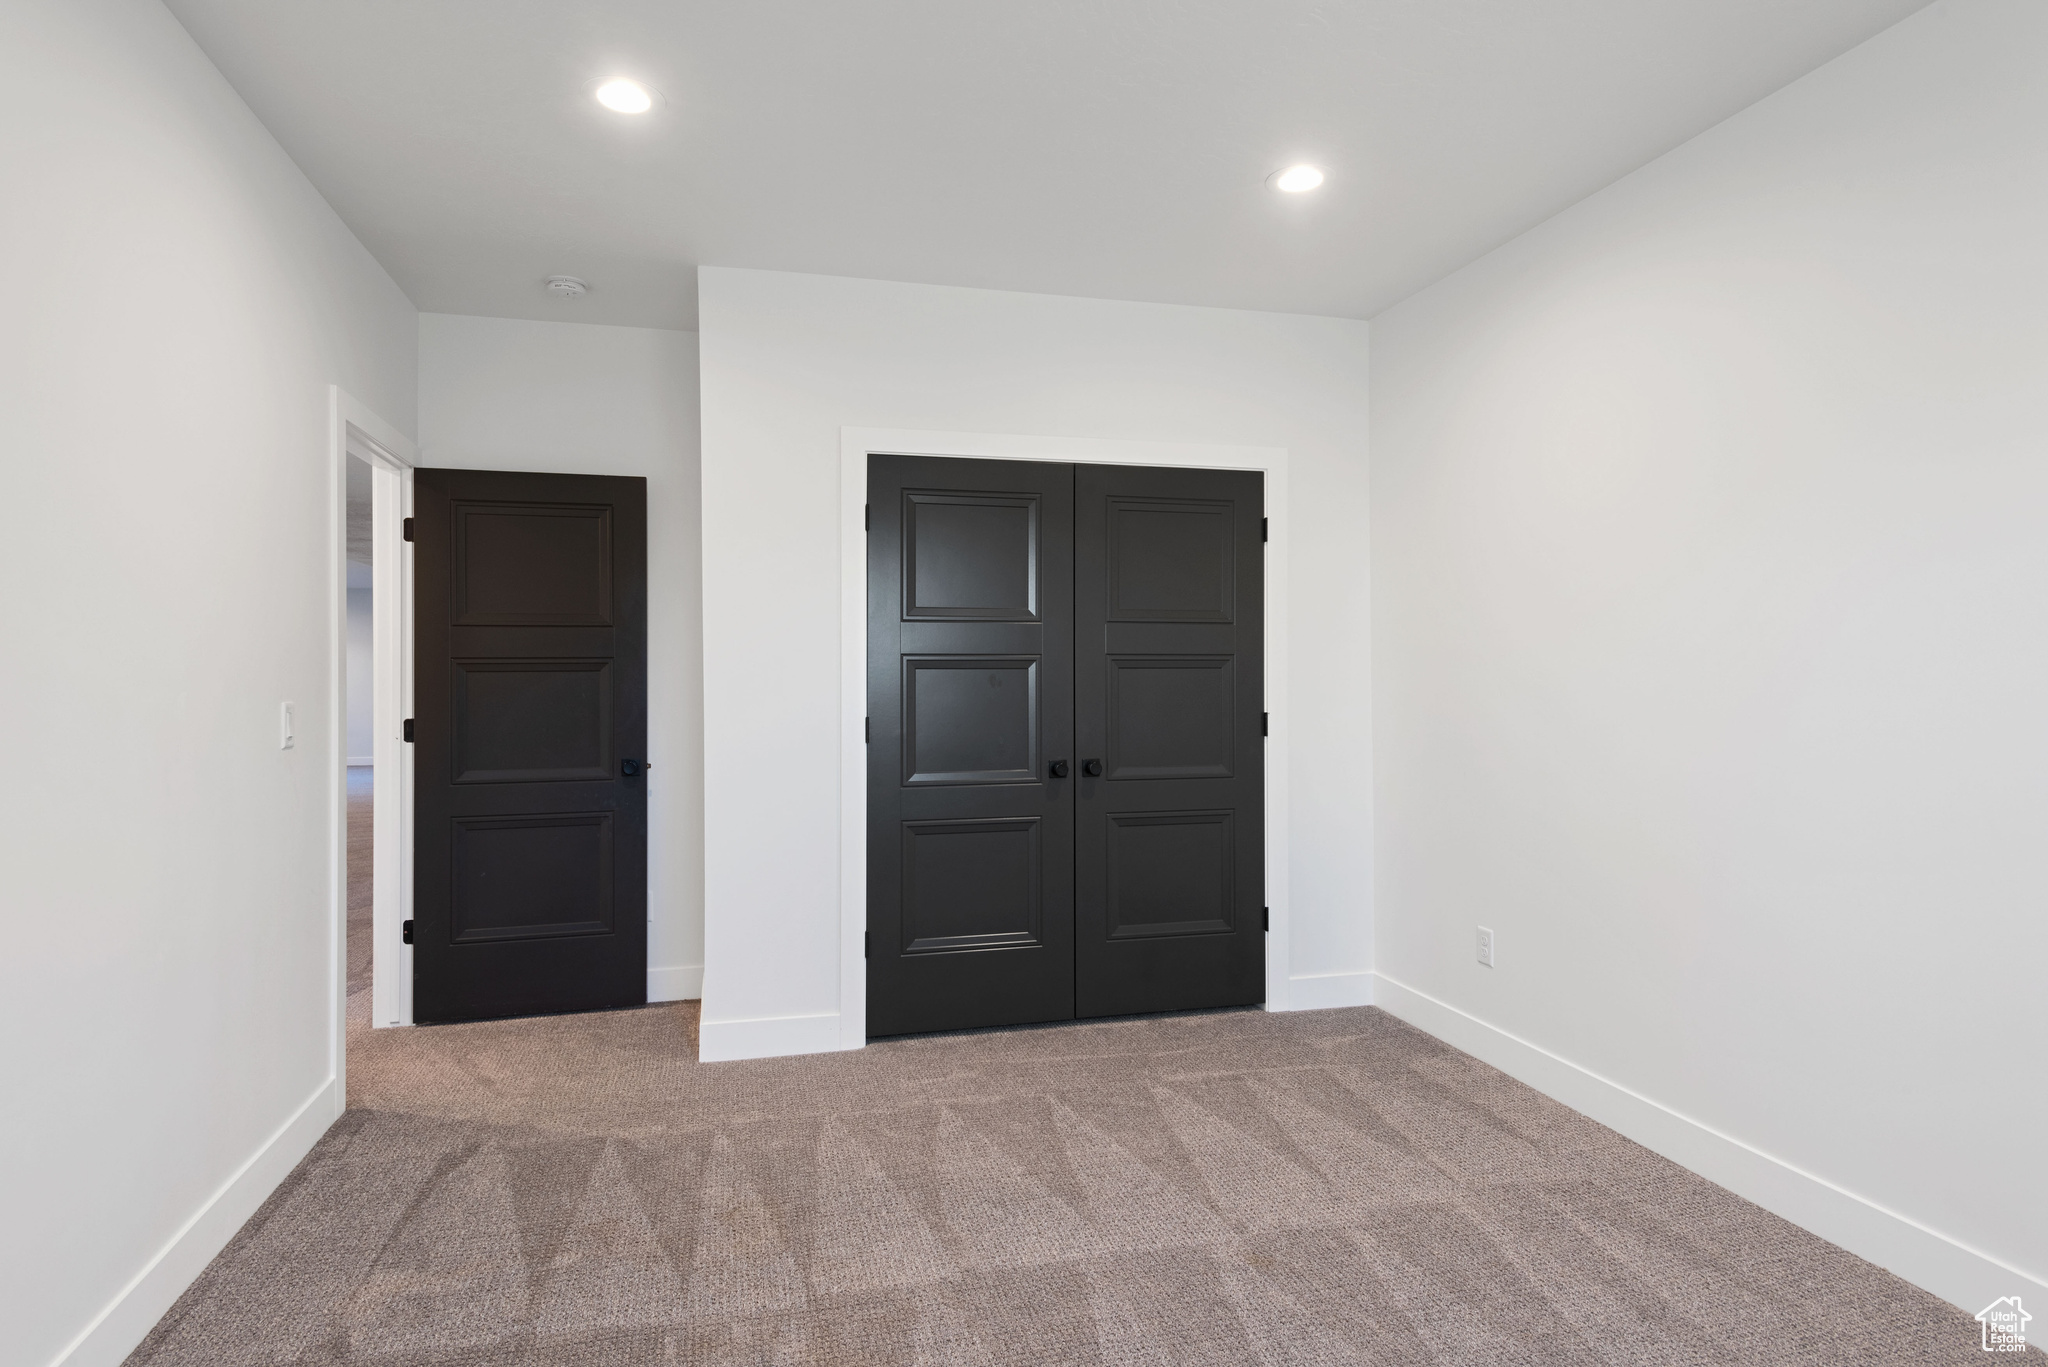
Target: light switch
x: 285, y: 738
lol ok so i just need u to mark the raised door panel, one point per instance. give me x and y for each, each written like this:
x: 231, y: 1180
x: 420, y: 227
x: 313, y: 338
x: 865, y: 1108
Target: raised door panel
x: 1170, y: 560
x: 1170, y: 716
x: 970, y: 557
x: 1171, y: 873
x: 532, y: 721
x: 530, y: 565
x: 970, y: 719
x: 971, y: 885
x: 533, y: 877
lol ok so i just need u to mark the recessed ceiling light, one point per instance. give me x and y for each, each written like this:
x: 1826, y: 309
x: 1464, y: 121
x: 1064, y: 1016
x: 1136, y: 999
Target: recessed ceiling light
x: 1295, y: 179
x: 624, y: 97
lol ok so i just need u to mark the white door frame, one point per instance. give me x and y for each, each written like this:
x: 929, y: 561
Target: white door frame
x: 855, y: 445
x: 391, y: 456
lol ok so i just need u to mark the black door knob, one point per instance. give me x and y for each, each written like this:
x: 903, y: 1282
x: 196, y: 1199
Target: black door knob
x: 1058, y: 768
x: 629, y: 767
x: 1092, y: 768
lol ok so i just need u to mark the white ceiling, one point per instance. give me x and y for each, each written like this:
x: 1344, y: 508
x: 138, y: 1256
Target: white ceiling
x: 1113, y: 148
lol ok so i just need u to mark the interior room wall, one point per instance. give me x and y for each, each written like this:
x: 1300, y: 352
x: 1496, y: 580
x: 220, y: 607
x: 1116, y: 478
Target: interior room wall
x: 182, y: 299
x: 502, y: 394
x: 1710, y: 651
x: 361, y: 673
x: 790, y: 359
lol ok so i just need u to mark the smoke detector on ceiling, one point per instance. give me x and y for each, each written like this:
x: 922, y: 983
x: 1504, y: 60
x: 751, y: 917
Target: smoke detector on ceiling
x: 567, y: 287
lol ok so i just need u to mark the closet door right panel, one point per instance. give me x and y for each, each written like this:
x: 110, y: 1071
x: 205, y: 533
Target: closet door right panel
x: 1168, y: 711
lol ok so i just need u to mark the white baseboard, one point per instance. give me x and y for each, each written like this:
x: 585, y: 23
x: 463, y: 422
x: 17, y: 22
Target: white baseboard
x: 135, y: 1310
x: 771, y: 1037
x: 1323, y: 991
x: 362, y: 761
x: 676, y: 983
x: 1929, y: 1259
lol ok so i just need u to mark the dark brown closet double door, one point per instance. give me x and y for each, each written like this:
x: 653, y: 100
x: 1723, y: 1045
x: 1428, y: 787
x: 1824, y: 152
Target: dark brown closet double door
x: 1065, y: 743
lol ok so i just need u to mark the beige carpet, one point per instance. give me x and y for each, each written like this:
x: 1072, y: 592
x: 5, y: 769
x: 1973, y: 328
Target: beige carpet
x: 1235, y: 1188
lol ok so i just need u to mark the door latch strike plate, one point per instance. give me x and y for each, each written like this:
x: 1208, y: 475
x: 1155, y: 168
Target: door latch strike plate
x: 405, y: 932
x: 408, y: 529
x: 408, y: 730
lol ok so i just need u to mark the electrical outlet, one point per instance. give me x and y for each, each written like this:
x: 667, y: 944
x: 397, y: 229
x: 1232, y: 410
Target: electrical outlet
x: 1486, y: 946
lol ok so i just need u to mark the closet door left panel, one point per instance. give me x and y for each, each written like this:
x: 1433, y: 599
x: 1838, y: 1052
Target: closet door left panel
x: 971, y: 720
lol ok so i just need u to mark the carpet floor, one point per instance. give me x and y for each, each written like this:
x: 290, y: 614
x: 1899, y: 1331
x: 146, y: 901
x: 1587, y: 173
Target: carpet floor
x: 1230, y: 1188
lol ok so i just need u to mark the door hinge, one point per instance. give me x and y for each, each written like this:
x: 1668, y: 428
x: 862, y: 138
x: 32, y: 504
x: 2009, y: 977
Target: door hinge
x: 408, y: 730
x: 408, y: 529
x: 866, y: 518
x: 1265, y: 723
x: 405, y: 932
x: 1265, y: 529
x: 1266, y: 916
x: 867, y: 938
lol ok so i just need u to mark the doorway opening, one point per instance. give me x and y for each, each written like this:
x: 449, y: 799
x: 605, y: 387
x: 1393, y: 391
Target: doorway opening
x: 360, y: 741
x: 372, y: 473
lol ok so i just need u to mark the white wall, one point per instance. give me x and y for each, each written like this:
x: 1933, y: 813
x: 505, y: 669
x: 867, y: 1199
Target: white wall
x: 499, y: 394
x: 1710, y: 565
x: 179, y: 301
x: 362, y: 677
x: 790, y: 359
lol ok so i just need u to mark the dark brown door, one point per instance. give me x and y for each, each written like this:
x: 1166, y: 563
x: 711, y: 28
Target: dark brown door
x: 530, y: 727
x: 1028, y: 623
x: 970, y: 699
x: 1168, y: 702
